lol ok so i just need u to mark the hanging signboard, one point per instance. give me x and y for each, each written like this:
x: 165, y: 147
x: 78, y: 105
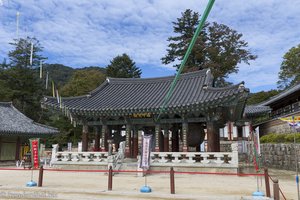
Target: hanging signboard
x: 146, y: 150
x: 34, y: 147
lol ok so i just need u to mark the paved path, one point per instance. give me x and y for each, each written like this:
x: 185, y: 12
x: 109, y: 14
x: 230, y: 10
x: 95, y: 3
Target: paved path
x: 93, y: 185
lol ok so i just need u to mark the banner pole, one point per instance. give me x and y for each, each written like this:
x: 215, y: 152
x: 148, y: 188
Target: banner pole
x: 145, y: 160
x: 145, y: 178
x: 296, y: 157
x: 31, y: 174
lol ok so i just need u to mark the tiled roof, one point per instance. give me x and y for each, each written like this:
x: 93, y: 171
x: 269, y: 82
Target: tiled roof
x: 132, y: 95
x: 281, y: 95
x: 255, y: 110
x: 12, y: 121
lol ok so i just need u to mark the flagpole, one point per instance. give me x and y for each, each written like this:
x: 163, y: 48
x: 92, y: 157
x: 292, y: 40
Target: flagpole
x: 255, y: 160
x: 41, y: 69
x: 296, y: 157
x: 53, y: 89
x: 292, y: 122
x: 18, y: 14
x: 31, y: 53
x: 47, y: 78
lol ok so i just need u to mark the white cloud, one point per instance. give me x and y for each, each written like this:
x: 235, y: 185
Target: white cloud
x: 81, y: 33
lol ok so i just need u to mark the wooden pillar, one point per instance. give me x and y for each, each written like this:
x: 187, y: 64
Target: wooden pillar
x: 166, y: 139
x: 127, y: 141
x: 84, y: 137
x: 97, y: 139
x: 157, y: 134
x: 135, y: 142
x: 184, y: 136
x: 213, y: 137
x: 104, y: 133
x: 175, y: 140
x: 18, y: 145
x: 0, y: 146
x: 161, y: 141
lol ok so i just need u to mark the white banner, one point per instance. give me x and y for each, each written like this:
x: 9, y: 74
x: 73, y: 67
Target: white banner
x: 145, y: 157
x: 256, y: 137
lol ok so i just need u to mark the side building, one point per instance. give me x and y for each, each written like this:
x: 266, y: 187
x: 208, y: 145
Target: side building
x: 285, y: 104
x: 15, y: 130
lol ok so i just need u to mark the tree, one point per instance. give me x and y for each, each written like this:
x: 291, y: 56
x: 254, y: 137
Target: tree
x: 82, y: 82
x: 20, y: 56
x: 218, y: 47
x: 20, y: 80
x: 123, y: 67
x: 289, y: 73
x: 259, y: 97
x: 59, y: 73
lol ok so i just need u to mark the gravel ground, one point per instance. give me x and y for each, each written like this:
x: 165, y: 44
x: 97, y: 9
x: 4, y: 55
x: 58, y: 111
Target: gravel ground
x: 93, y: 185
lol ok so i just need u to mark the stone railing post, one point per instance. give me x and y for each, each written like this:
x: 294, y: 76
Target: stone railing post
x: 110, y: 161
x: 235, y: 154
x: 53, y: 153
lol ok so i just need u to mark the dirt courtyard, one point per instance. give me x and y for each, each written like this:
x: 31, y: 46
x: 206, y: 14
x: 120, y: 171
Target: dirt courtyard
x: 93, y: 185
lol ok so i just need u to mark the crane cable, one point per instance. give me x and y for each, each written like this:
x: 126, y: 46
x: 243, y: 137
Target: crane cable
x: 187, y: 54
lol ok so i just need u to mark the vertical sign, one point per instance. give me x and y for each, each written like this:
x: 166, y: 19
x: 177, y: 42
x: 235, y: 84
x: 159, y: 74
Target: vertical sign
x: 145, y: 160
x: 34, y: 145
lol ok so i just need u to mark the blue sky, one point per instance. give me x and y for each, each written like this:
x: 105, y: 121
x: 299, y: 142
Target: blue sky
x: 84, y: 33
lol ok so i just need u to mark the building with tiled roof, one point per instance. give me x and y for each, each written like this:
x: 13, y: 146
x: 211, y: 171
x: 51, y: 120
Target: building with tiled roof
x: 135, y: 103
x: 16, y: 129
x: 284, y: 104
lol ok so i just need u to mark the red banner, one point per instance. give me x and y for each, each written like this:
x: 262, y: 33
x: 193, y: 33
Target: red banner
x: 34, y: 144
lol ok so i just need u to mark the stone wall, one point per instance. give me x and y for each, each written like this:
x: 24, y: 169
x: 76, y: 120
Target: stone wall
x: 276, y: 125
x: 280, y: 156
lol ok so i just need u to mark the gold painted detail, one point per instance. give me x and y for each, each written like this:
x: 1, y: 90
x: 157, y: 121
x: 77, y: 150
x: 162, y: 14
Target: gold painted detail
x: 141, y: 115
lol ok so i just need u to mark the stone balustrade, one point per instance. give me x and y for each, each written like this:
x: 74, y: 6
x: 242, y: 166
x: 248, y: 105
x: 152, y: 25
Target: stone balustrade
x: 197, y: 159
x: 204, y: 159
x: 82, y: 157
x: 200, y: 159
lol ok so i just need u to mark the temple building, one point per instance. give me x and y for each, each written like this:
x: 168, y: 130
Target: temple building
x: 15, y: 130
x: 284, y: 104
x: 128, y: 105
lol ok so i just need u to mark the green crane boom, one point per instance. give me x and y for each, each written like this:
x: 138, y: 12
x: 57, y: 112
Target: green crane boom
x: 187, y: 54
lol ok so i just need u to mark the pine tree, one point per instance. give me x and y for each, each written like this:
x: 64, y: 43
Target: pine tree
x: 218, y: 47
x: 21, y: 81
x: 123, y: 67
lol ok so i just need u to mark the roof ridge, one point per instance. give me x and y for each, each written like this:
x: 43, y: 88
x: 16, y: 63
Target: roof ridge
x: 184, y: 75
x: 18, y: 122
x: 225, y: 88
x: 5, y: 103
x: 281, y: 94
x: 27, y: 118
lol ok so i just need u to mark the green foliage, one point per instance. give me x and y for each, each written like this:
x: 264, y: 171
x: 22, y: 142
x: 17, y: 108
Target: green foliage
x: 20, y: 56
x: 123, y: 67
x: 289, y: 73
x: 82, y: 82
x: 103, y: 70
x: 67, y: 133
x: 255, y: 98
x: 58, y: 73
x: 218, y: 47
x: 280, y: 138
x: 20, y: 83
